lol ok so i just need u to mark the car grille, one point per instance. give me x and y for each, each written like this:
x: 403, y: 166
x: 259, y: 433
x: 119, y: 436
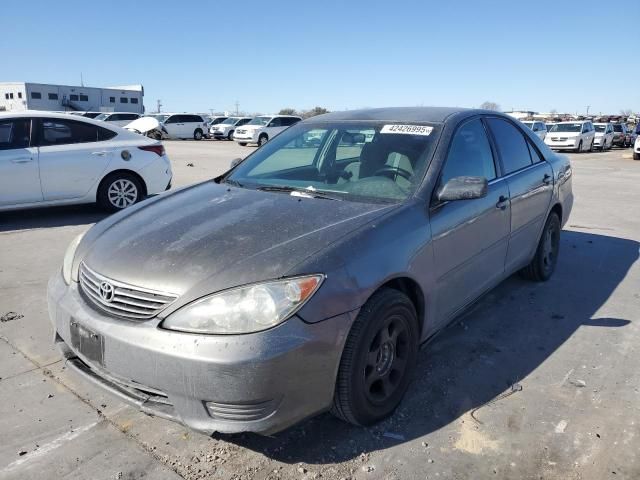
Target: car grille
x: 121, y: 299
x: 241, y: 130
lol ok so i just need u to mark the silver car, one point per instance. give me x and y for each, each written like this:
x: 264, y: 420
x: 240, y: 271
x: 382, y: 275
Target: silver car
x: 306, y: 278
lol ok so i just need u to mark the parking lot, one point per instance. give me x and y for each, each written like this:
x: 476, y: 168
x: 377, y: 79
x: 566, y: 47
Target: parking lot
x: 536, y: 381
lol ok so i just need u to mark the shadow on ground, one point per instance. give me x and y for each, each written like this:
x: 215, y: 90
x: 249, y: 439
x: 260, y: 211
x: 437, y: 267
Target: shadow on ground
x: 506, y: 336
x: 50, y: 217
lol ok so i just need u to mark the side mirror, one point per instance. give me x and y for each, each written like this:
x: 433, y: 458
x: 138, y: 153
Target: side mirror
x: 463, y: 188
x: 235, y: 162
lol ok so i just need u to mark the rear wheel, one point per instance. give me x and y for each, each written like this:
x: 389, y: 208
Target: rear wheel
x: 544, y: 262
x: 197, y: 134
x: 118, y: 191
x: 378, y: 360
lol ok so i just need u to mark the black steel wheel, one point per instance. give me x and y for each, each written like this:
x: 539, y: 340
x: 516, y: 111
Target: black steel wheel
x: 378, y: 359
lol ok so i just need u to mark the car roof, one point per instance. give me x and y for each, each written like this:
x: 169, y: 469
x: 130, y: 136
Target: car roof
x: 401, y: 114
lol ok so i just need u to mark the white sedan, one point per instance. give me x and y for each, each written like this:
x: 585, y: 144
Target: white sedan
x: 54, y: 159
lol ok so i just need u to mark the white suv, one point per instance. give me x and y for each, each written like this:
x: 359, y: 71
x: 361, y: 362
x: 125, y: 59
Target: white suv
x: 577, y: 136
x: 226, y: 128
x: 118, y: 118
x: 184, y: 125
x: 539, y: 128
x: 604, y: 136
x: 263, y: 128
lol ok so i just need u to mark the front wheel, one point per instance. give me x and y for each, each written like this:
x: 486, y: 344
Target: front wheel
x: 544, y: 261
x: 242, y: 144
x: 118, y: 191
x: 579, y: 149
x: 636, y: 156
x: 262, y: 140
x: 378, y: 360
x: 230, y: 135
x: 197, y: 134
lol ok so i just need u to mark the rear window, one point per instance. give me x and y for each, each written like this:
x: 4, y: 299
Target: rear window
x: 63, y: 132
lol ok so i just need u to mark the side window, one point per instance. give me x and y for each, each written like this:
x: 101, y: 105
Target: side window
x: 171, y: 119
x: 585, y: 128
x: 276, y: 122
x: 511, y: 145
x: 62, y: 132
x: 114, y: 118
x: 105, y: 134
x: 195, y: 119
x: 469, y: 154
x: 14, y: 133
x: 535, y: 156
x: 128, y: 116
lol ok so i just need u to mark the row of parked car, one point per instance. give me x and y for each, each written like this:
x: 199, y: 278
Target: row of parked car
x: 161, y: 126
x: 584, y: 135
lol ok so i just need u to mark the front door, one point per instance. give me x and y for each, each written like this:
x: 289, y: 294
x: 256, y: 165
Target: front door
x: 71, y: 158
x: 19, y: 175
x: 469, y: 237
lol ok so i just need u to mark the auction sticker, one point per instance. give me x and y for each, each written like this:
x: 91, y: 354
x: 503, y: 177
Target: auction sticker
x: 407, y: 129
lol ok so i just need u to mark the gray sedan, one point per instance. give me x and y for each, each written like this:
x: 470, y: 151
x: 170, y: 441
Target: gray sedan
x: 306, y: 278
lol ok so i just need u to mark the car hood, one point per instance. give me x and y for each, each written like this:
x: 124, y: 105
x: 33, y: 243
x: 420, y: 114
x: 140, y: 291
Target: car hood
x: 251, y: 127
x: 143, y: 125
x: 210, y: 237
x: 565, y: 134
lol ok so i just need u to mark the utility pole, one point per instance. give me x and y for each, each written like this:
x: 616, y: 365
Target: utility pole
x: 159, y: 103
x: 81, y: 80
x: 588, y: 107
x: 237, y: 107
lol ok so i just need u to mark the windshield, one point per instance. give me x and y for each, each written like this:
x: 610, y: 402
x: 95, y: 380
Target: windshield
x: 528, y: 124
x: 102, y: 116
x: 567, y: 127
x: 230, y: 121
x: 356, y: 161
x: 218, y: 120
x: 600, y: 128
x: 259, y: 121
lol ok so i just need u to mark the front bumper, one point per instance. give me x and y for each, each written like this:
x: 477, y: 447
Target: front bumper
x: 565, y: 145
x: 262, y: 382
x: 245, y: 137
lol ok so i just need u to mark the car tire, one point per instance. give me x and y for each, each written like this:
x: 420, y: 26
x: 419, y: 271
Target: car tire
x: 118, y: 191
x: 230, y: 135
x: 591, y: 146
x: 636, y: 156
x: 579, y: 149
x: 242, y: 144
x: 378, y: 359
x: 197, y: 134
x: 262, y: 140
x: 544, y: 261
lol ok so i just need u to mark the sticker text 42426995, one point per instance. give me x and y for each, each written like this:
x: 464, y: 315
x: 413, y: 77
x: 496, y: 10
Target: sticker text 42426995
x: 407, y: 129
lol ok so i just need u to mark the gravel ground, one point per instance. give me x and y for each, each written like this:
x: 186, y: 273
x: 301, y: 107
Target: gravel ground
x: 537, y: 381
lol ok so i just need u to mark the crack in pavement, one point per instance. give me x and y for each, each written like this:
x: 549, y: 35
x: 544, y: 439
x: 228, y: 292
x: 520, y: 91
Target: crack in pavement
x: 47, y: 373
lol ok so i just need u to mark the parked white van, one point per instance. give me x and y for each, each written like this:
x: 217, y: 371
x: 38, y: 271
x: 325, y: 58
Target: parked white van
x: 263, y: 128
x: 577, y: 136
x: 184, y: 125
x: 604, y: 136
x: 539, y: 128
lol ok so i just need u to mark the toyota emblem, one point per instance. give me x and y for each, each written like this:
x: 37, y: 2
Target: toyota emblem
x: 107, y: 291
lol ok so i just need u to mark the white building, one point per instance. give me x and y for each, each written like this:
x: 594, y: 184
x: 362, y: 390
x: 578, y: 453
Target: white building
x: 16, y: 96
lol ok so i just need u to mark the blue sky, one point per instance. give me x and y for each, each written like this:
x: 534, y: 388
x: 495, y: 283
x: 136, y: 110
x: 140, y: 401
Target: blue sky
x: 540, y: 55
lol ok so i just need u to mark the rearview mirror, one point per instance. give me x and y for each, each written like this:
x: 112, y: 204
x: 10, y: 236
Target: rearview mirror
x: 235, y: 162
x: 463, y: 188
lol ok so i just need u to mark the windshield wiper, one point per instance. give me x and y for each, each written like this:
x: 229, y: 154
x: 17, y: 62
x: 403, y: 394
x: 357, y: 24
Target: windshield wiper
x: 301, y: 192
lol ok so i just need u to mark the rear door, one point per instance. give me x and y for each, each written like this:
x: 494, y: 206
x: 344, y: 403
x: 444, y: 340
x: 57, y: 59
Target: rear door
x: 19, y: 175
x: 470, y: 237
x: 72, y: 159
x: 530, y: 180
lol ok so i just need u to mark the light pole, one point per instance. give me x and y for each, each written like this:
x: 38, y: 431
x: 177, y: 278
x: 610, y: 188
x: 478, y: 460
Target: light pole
x: 588, y: 107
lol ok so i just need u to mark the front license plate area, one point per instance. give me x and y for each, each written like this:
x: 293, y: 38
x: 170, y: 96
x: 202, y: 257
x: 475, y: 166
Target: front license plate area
x: 88, y: 343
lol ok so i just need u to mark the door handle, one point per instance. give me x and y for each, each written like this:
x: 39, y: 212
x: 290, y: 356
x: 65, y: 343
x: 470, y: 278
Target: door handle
x: 100, y: 154
x: 22, y: 160
x: 502, y: 202
x: 546, y: 179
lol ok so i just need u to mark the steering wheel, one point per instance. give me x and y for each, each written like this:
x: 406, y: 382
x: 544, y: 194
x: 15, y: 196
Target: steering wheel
x: 393, y: 172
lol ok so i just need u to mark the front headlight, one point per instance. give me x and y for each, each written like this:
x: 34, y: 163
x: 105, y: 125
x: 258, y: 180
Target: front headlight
x: 245, y: 309
x: 67, y: 264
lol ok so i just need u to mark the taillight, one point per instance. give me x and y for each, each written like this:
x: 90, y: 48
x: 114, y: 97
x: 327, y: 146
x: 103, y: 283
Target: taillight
x: 159, y: 149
